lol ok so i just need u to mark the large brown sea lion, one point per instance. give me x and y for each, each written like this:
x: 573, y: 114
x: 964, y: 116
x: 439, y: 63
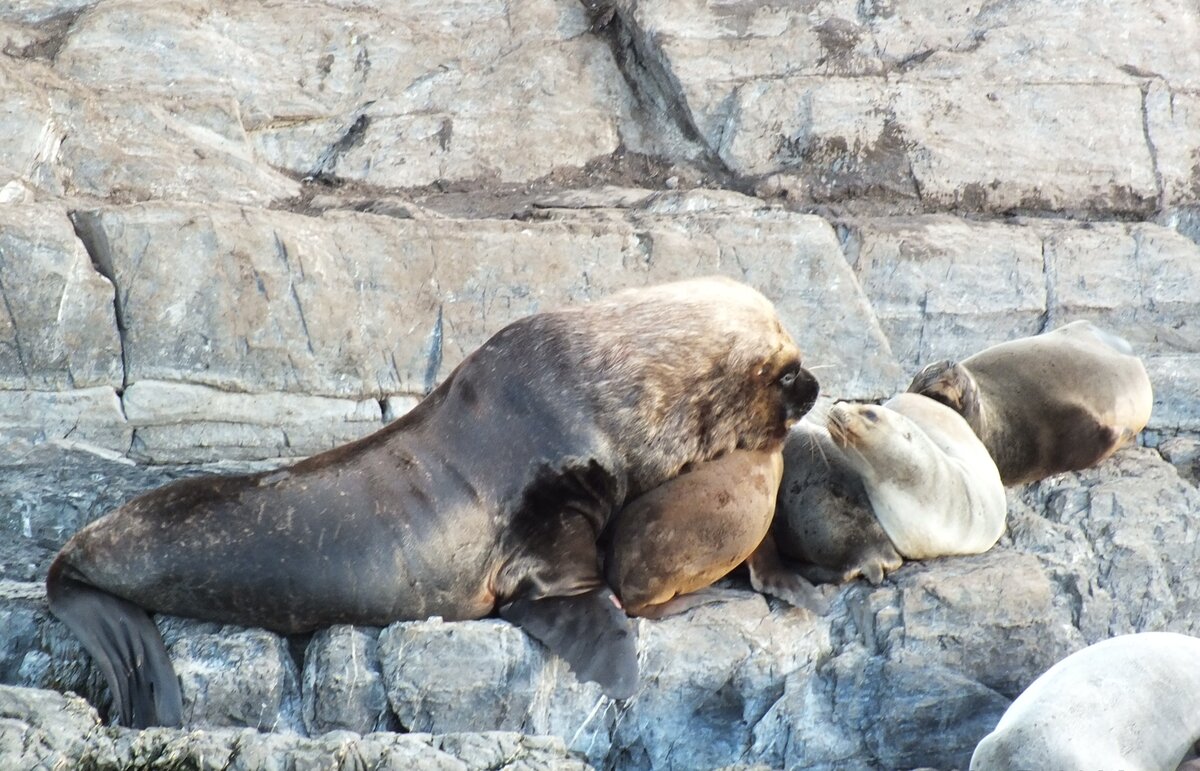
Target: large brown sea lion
x: 1055, y: 402
x: 491, y: 495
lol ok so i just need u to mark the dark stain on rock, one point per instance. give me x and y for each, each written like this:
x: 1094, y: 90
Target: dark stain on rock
x: 444, y: 134
x: 836, y: 170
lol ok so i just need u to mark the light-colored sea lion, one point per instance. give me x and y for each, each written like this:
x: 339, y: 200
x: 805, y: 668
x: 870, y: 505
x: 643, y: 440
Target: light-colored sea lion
x: 693, y: 530
x: 1131, y: 703
x: 932, y: 485
x: 823, y: 517
x: 490, y: 495
x: 1055, y: 402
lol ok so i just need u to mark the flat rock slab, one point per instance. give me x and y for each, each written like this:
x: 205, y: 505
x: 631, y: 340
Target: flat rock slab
x: 355, y: 305
x: 952, y: 107
x: 44, y: 729
x: 505, y: 90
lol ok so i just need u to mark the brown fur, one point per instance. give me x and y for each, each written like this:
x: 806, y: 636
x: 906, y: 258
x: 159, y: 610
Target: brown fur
x: 685, y: 534
x: 1054, y: 402
x: 489, y: 495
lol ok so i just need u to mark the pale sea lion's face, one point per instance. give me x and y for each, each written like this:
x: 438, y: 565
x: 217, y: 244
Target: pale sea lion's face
x: 880, y: 443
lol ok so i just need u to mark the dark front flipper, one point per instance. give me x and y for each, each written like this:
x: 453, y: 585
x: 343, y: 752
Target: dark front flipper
x: 589, y: 631
x: 125, y: 644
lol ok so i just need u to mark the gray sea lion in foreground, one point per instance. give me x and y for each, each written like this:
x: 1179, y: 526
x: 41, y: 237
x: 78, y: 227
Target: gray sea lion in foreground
x: 823, y: 517
x: 1055, y: 402
x: 1131, y: 703
x: 932, y: 485
x: 490, y: 495
x: 693, y: 530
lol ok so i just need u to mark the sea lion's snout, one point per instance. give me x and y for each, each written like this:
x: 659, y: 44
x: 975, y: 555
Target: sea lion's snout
x: 800, y: 391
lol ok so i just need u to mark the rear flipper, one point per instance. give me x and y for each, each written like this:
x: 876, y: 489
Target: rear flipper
x: 769, y: 576
x: 126, y: 646
x: 589, y: 631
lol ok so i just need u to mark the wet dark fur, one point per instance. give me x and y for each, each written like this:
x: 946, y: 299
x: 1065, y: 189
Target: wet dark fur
x: 489, y: 495
x: 823, y: 517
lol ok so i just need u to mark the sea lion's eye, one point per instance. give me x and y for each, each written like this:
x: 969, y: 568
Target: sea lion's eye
x: 787, y: 379
x: 871, y: 415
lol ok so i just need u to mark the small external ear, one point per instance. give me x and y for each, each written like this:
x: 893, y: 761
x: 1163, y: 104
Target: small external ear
x: 950, y: 383
x: 938, y: 382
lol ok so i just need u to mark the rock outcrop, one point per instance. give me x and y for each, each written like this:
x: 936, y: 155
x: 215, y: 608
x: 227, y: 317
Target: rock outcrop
x: 234, y: 234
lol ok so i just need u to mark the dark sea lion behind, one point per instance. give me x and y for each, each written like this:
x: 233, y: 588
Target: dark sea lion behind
x: 823, y: 517
x: 489, y: 495
x: 1054, y: 402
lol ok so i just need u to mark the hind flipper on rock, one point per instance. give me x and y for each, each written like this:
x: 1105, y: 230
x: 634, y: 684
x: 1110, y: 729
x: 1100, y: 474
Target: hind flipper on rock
x: 589, y: 631
x: 126, y: 645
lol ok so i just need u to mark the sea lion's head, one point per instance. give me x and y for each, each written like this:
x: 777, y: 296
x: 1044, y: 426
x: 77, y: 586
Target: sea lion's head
x: 875, y: 440
x: 951, y: 384
x: 781, y: 390
x: 857, y: 425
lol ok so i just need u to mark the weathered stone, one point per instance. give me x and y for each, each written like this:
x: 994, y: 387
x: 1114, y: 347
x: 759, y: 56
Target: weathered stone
x: 1183, y: 452
x: 57, y: 331
x: 342, y: 683
x: 46, y: 730
x: 991, y: 618
x: 47, y: 492
x: 68, y: 140
x: 195, y: 423
x: 43, y: 729
x: 355, y: 305
x: 506, y: 90
x: 972, y: 110
x: 1141, y: 525
x: 944, y: 288
x: 1133, y: 279
x: 91, y: 416
x: 718, y: 670
x: 233, y: 677
x: 890, y: 703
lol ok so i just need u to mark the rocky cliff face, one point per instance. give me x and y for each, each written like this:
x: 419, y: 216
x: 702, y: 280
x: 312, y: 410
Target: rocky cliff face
x: 234, y: 232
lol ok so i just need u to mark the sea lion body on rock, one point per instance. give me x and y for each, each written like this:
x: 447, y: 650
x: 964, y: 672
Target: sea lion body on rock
x: 1131, y: 702
x: 1054, y: 402
x: 691, y: 531
x: 491, y: 494
x: 932, y: 485
x: 823, y: 517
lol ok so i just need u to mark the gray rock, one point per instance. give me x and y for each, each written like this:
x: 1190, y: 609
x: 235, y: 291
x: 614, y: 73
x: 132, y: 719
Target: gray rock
x: 343, y: 687
x: 1183, y: 452
x: 58, y: 331
x: 46, y: 730
x: 944, y: 288
x: 69, y: 140
x: 504, y: 91
x: 49, y: 491
x: 1121, y: 534
x: 189, y: 422
x: 43, y: 729
x: 233, y: 677
x: 904, y: 100
x: 86, y: 416
x: 354, y: 305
